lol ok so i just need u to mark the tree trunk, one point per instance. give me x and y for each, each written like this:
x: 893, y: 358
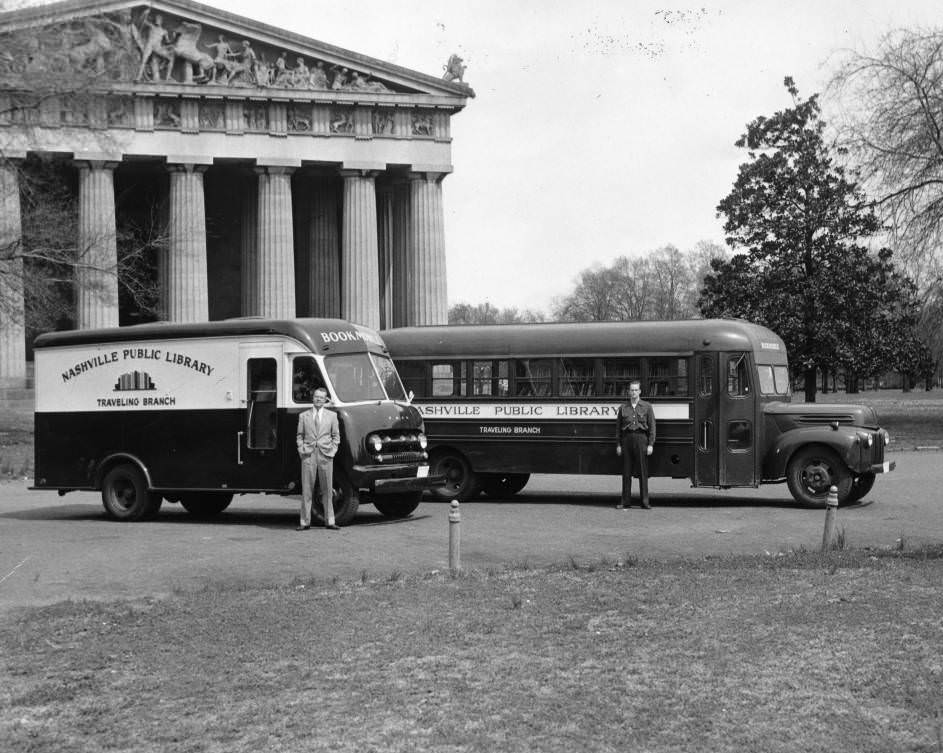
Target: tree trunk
x: 824, y: 381
x: 906, y: 382
x: 851, y: 383
x: 810, y: 385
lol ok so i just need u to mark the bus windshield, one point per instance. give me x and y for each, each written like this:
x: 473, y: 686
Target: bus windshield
x: 774, y: 380
x: 389, y: 377
x: 363, y: 376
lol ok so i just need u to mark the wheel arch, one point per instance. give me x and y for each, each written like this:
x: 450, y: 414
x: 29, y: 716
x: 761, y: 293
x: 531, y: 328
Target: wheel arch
x: 120, y: 458
x: 787, y: 445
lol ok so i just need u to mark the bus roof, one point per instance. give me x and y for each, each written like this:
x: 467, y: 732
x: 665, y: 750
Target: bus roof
x: 317, y: 335
x: 582, y: 338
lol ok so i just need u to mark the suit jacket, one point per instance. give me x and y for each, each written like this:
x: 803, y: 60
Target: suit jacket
x: 326, y: 437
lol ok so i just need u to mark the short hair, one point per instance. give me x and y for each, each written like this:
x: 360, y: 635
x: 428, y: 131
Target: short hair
x: 635, y: 381
x: 319, y: 389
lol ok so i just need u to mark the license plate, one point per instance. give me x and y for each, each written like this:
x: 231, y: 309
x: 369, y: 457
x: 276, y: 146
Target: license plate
x: 422, y: 471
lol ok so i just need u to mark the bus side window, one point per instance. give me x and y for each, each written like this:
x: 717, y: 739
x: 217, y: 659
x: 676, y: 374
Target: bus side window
x: 738, y: 381
x: 533, y: 377
x: 618, y: 373
x: 489, y: 378
x: 577, y: 377
x: 706, y: 386
x: 262, y: 411
x: 448, y: 379
x: 667, y: 376
x: 305, y: 379
x: 413, y: 374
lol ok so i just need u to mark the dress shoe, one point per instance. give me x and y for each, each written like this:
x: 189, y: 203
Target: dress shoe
x: 620, y: 506
x: 332, y: 527
x: 302, y: 528
x: 645, y: 505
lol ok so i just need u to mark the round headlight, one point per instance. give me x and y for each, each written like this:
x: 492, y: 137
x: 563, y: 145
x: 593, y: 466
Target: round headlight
x: 375, y: 443
x: 423, y: 442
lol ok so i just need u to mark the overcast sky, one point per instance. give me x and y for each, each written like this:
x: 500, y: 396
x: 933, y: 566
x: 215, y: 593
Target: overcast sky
x: 599, y: 128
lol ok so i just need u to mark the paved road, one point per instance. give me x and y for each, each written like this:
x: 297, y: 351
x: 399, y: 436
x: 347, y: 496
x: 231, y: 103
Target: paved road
x: 54, y: 548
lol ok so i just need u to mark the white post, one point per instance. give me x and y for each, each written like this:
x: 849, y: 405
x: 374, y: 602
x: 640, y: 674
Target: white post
x: 831, y: 508
x: 455, y: 539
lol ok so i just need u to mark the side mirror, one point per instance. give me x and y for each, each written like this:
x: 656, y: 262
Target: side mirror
x: 410, y: 396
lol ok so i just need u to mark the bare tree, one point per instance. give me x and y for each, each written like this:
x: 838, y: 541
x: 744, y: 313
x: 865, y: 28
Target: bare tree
x: 891, y: 125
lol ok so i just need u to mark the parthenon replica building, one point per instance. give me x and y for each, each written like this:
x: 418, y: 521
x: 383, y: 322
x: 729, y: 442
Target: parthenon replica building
x: 291, y: 177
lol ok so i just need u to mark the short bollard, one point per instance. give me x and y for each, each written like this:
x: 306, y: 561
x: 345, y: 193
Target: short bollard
x: 455, y: 539
x: 831, y: 507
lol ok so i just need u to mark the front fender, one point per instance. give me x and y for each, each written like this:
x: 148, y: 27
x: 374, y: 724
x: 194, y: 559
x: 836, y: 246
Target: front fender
x: 844, y: 441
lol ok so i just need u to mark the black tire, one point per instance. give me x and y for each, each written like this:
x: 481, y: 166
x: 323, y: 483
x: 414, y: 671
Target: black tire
x: 812, y: 470
x: 125, y: 494
x: 503, y: 484
x: 860, y: 486
x: 461, y: 482
x: 397, y: 505
x: 205, y: 504
x: 346, y: 500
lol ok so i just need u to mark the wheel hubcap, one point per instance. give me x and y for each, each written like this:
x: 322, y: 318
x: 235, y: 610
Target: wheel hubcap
x: 817, y: 477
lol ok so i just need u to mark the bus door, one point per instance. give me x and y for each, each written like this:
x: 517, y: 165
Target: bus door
x: 706, y: 421
x: 737, y: 416
x: 256, y: 447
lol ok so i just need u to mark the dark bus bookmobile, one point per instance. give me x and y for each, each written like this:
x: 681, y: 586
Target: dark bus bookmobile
x: 503, y: 401
x: 195, y: 413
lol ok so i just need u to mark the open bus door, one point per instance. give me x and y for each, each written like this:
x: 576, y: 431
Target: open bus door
x: 737, y: 421
x: 706, y: 421
x: 258, y: 442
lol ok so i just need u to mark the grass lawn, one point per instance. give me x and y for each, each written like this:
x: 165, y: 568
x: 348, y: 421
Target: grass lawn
x: 789, y: 653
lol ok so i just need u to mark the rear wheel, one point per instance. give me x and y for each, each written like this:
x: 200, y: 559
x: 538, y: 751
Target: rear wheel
x: 205, y: 504
x: 812, y: 470
x: 503, y: 484
x: 860, y: 486
x: 460, y: 480
x: 125, y: 495
x: 397, y: 505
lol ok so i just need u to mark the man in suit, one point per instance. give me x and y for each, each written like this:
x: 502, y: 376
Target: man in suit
x: 635, y: 437
x: 318, y: 439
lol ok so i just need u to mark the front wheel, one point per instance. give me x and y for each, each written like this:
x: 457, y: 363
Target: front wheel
x: 860, y: 486
x: 460, y: 480
x: 812, y: 470
x: 346, y: 499
x: 125, y: 495
x: 397, y: 505
x: 205, y: 504
x: 503, y: 484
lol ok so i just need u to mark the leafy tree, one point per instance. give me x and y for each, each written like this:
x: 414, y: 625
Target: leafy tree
x: 805, y: 272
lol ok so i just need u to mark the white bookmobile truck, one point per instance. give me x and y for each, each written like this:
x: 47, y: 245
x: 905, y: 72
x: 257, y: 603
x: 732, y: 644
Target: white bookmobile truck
x: 196, y: 413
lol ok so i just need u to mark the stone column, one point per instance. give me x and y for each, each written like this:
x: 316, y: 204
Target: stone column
x: 360, y: 294
x: 400, y: 271
x: 12, y: 311
x: 96, y: 271
x: 250, y: 246
x: 186, y: 298
x: 324, y: 256
x: 428, y: 295
x: 275, y: 278
x: 386, y: 243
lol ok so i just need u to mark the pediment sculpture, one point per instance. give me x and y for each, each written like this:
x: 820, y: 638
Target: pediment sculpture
x: 150, y: 47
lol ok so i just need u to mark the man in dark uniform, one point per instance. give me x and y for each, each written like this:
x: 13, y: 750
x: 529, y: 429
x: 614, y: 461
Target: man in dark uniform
x: 635, y: 437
